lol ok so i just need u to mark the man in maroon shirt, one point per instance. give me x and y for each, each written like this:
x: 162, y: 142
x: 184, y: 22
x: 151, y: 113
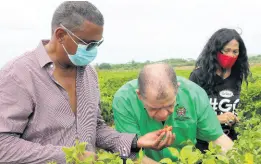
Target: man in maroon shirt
x: 49, y: 97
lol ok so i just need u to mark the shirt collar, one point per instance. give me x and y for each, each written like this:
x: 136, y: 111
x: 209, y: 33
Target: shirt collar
x: 41, y: 54
x: 43, y: 57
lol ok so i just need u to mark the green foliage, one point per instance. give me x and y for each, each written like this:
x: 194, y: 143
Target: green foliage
x: 110, y: 82
x: 138, y: 65
x: 173, y: 62
x: 255, y: 59
x: 73, y: 153
x: 190, y: 155
x: 104, y: 66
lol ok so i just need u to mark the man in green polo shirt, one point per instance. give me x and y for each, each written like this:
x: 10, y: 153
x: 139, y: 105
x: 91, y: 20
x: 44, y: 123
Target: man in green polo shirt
x: 158, y: 98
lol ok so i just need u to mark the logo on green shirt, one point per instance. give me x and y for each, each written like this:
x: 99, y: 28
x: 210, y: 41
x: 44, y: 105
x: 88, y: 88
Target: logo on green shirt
x: 181, y: 114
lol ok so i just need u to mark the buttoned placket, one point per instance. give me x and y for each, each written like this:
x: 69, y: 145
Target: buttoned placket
x: 50, y: 70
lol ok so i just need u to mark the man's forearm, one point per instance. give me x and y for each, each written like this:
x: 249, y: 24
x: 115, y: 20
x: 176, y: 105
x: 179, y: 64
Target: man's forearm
x: 14, y: 150
x: 225, y: 142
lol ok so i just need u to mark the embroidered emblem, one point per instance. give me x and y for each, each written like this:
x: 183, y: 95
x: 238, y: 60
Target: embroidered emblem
x: 181, y: 114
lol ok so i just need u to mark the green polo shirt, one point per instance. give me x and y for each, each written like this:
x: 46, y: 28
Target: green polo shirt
x: 193, y: 116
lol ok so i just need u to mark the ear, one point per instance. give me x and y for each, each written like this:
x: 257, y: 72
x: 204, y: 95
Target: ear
x: 138, y: 93
x: 59, y: 34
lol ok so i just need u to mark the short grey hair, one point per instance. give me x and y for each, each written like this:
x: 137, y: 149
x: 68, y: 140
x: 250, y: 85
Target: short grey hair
x: 145, y: 80
x: 72, y: 14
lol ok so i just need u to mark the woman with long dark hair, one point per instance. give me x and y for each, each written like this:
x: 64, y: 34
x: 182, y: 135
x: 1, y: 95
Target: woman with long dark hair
x: 220, y: 70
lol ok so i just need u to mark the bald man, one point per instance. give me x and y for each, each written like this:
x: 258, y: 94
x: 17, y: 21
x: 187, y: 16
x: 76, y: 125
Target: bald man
x: 158, y: 98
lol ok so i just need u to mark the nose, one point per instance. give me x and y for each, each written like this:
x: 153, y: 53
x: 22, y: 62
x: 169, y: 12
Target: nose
x: 171, y: 110
x: 165, y: 113
x: 162, y: 115
x: 231, y: 54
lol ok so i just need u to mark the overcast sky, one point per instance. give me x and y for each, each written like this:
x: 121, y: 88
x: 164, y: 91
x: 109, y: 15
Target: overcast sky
x: 137, y: 30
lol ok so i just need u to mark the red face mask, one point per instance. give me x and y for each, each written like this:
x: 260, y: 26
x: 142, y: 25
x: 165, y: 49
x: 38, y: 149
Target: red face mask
x: 226, y: 61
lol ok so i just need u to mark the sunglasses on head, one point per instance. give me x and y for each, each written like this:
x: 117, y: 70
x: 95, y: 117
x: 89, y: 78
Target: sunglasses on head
x: 90, y: 45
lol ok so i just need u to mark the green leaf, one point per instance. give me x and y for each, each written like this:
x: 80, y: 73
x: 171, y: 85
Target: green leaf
x: 185, y: 153
x: 141, y: 154
x: 166, y: 161
x: 209, y: 161
x: 222, y: 158
x: 174, y: 151
x: 105, y: 156
x: 68, y: 151
x: 210, y: 146
x: 249, y: 159
x: 129, y: 161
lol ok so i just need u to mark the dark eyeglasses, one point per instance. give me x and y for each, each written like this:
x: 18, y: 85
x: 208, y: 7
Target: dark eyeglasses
x: 90, y: 45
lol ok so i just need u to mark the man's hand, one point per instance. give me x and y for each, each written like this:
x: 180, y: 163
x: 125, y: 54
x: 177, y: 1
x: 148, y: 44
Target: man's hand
x: 154, y: 140
x: 228, y: 118
x: 86, y: 155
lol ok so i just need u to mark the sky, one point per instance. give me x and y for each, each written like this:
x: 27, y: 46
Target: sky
x: 137, y: 30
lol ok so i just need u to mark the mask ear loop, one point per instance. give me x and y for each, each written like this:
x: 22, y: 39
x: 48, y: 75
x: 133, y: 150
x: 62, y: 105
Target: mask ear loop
x: 65, y: 49
x: 70, y: 33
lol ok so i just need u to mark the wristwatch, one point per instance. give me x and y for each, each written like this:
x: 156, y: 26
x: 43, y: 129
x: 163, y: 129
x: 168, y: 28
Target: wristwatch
x: 134, y: 146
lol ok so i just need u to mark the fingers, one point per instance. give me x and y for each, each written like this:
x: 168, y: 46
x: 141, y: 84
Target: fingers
x: 171, y: 139
x: 86, y: 155
x: 159, y: 139
x: 174, y: 137
x: 230, y: 115
x: 231, y: 118
x: 159, y: 132
x: 165, y: 141
x: 91, y: 154
x: 237, y: 119
x: 229, y: 124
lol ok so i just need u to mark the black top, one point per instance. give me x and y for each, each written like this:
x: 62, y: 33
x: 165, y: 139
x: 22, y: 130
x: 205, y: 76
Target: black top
x: 224, y: 96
